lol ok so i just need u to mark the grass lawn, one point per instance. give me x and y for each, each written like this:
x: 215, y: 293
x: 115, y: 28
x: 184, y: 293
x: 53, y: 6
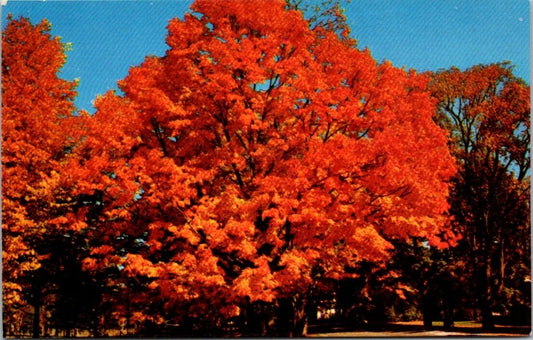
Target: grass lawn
x: 416, y: 329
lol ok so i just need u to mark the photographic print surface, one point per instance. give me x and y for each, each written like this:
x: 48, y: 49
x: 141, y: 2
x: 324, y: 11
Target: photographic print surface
x: 265, y: 168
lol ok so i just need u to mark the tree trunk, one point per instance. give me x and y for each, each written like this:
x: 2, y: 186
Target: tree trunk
x: 427, y: 316
x: 487, y: 321
x: 36, y: 329
x: 448, y: 314
x: 36, y: 302
x: 501, y: 281
x: 428, y: 308
x: 301, y: 320
x: 258, y: 319
x: 485, y: 292
x: 292, y: 316
x: 312, y: 310
x: 95, y: 324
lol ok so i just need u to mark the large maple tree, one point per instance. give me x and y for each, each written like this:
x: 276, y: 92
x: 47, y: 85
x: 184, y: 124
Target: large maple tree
x: 254, y: 158
x: 37, y: 209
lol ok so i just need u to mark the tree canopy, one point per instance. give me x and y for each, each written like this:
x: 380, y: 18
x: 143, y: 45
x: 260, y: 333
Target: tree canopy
x: 257, y: 156
x: 258, y: 167
x: 37, y: 107
x: 486, y: 109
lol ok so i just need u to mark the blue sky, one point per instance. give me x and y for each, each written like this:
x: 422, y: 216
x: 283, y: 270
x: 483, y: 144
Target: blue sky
x: 108, y: 37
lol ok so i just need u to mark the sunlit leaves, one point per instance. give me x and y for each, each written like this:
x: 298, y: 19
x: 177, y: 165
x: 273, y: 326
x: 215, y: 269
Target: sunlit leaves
x: 253, y: 155
x: 37, y: 138
x: 255, y: 151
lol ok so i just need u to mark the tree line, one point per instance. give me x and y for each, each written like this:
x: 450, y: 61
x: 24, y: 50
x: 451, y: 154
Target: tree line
x: 260, y: 174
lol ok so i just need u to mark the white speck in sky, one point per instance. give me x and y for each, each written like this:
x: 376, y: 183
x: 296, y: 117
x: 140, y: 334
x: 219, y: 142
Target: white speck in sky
x: 520, y: 19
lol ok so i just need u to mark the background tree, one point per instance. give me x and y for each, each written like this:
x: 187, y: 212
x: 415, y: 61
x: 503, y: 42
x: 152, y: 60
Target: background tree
x: 486, y: 109
x: 39, y: 216
x: 326, y: 14
x: 436, y: 281
x: 255, y: 158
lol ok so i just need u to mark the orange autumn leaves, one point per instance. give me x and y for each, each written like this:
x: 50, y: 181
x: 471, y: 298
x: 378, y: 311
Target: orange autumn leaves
x: 36, y: 105
x: 253, y: 155
x: 265, y: 152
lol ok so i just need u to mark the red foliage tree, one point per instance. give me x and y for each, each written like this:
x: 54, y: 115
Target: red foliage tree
x: 36, y: 106
x: 255, y: 158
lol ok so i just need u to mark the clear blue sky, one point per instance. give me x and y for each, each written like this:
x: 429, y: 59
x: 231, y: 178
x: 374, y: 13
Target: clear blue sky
x: 110, y: 36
